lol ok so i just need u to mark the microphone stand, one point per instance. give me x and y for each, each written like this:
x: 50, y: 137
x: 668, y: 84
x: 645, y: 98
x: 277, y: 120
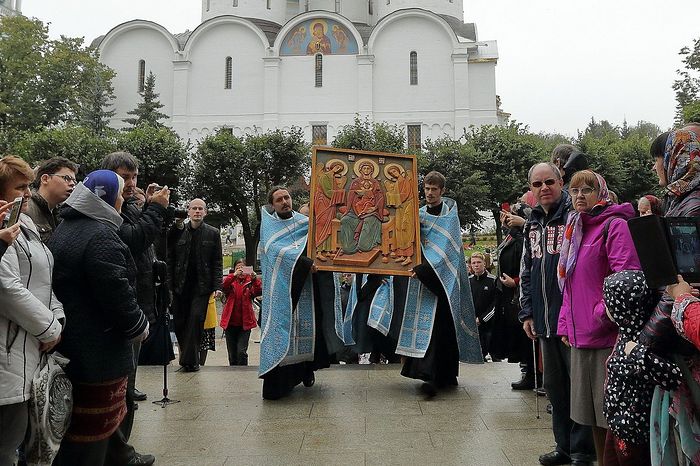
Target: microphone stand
x: 162, y: 297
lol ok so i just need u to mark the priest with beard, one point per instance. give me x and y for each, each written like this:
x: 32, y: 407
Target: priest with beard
x: 292, y: 346
x: 439, y: 325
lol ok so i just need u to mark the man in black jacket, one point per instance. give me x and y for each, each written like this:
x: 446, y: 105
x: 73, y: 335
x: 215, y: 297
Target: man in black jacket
x: 540, y: 304
x: 138, y: 231
x: 195, y: 270
x: 485, y: 294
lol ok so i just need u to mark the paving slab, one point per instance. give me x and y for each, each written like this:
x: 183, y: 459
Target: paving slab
x: 354, y: 415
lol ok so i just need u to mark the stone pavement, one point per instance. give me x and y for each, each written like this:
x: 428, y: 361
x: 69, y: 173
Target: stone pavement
x: 353, y: 415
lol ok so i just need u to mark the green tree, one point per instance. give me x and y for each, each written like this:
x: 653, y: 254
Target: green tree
x: 504, y: 154
x: 687, y: 87
x: 94, y: 102
x: 371, y: 136
x: 148, y: 110
x: 162, y: 155
x: 72, y: 142
x: 234, y: 175
x: 41, y: 80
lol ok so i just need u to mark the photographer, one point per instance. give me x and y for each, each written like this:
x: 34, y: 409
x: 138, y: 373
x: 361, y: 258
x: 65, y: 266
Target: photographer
x: 238, y: 318
x: 139, y: 230
x: 7, y: 235
x: 669, y: 330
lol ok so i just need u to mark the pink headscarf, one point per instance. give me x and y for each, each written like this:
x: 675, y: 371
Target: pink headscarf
x: 574, y: 232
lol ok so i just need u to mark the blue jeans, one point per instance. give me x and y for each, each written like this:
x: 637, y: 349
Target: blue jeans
x: 572, y: 438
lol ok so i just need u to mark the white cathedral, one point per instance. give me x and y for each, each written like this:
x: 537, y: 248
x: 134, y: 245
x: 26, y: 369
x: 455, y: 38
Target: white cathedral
x: 256, y: 65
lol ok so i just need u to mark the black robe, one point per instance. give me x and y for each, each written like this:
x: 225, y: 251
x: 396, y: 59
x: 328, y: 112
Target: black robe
x: 281, y: 380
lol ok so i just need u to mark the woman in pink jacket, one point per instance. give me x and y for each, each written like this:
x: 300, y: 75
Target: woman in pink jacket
x: 597, y: 242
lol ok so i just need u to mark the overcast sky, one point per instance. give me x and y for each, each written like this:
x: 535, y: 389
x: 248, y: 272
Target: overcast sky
x: 561, y: 61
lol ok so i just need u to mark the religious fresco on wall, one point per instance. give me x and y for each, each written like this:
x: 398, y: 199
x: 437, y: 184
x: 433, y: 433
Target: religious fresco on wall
x: 364, y: 212
x: 319, y: 35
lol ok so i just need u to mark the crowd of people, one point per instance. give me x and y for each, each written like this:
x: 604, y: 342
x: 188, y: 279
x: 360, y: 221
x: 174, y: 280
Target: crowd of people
x: 91, y: 269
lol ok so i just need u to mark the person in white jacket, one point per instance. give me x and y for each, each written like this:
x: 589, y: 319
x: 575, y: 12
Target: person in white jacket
x: 31, y: 318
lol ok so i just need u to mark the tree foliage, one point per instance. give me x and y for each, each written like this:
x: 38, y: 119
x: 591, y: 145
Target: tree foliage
x: 371, y: 136
x: 148, y: 110
x: 687, y: 86
x: 41, y: 80
x: 234, y: 175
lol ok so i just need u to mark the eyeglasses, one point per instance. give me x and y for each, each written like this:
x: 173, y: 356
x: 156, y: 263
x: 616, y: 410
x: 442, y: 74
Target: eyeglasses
x: 66, y: 178
x: 576, y: 191
x: 548, y: 182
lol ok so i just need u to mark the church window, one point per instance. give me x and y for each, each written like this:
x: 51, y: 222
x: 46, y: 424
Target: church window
x: 319, y: 70
x: 142, y: 74
x: 388, y: 2
x: 337, y: 6
x: 306, y: 5
x: 235, y: 2
x: 319, y: 135
x: 229, y: 73
x: 414, y: 136
x: 414, y: 68
x: 268, y: 4
x: 371, y: 7
x: 208, y: 4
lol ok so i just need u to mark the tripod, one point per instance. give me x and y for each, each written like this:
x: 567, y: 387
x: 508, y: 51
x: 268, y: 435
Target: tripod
x: 162, y: 299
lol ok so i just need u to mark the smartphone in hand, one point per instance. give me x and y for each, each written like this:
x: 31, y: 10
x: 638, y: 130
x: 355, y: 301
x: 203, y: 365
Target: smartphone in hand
x: 247, y: 270
x: 15, y: 211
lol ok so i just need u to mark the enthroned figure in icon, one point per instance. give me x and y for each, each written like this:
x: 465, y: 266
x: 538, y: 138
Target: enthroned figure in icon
x: 361, y: 224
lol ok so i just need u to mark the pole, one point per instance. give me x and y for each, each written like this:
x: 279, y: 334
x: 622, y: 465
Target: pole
x: 534, y: 368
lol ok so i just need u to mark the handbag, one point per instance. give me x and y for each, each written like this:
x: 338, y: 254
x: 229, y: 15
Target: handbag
x: 50, y: 407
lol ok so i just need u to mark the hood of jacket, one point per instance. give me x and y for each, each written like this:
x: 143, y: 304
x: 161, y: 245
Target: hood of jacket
x: 629, y: 301
x: 87, y: 203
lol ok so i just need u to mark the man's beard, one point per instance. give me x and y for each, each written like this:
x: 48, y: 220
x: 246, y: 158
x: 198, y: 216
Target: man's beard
x: 285, y: 215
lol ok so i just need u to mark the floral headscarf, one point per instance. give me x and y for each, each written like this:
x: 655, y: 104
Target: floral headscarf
x: 656, y: 205
x: 682, y: 163
x: 574, y: 232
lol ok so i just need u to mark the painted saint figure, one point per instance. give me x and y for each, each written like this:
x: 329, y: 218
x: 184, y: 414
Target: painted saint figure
x: 341, y: 38
x: 330, y: 193
x: 400, y: 194
x: 319, y: 42
x: 361, y: 225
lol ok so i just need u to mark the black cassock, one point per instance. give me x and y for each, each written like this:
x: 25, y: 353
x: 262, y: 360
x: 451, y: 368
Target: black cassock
x: 281, y: 380
x: 440, y: 365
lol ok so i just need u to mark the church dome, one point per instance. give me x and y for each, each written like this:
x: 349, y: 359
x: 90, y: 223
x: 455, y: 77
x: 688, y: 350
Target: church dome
x: 270, y: 10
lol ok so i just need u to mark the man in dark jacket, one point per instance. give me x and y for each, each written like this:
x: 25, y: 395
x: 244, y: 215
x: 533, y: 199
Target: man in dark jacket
x: 195, y: 270
x: 138, y: 231
x: 540, y: 303
x: 486, y: 299
x: 54, y: 182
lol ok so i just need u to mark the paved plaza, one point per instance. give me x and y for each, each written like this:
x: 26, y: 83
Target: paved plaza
x: 353, y: 415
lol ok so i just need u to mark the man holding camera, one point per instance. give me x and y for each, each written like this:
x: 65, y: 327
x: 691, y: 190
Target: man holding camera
x: 195, y: 269
x: 139, y: 230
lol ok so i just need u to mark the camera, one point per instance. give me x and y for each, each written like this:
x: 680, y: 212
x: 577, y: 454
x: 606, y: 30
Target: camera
x: 667, y: 247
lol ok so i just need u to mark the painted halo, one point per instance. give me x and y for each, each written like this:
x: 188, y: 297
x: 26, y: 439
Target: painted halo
x: 361, y: 162
x: 393, y: 165
x: 332, y: 162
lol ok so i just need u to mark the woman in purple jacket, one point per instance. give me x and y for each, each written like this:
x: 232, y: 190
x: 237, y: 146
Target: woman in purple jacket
x: 597, y: 242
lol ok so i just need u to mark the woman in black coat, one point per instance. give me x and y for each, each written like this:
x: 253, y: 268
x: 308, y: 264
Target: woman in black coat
x: 95, y: 277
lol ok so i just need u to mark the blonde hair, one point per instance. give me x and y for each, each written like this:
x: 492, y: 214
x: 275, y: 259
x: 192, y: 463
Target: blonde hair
x: 12, y: 166
x: 585, y: 177
x: 477, y: 255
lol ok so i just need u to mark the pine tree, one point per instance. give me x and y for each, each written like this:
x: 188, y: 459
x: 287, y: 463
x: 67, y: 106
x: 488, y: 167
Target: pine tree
x: 94, y: 106
x: 147, y: 112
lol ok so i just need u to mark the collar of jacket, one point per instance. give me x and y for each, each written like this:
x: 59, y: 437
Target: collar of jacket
x: 43, y: 205
x: 87, y: 203
x: 562, y: 209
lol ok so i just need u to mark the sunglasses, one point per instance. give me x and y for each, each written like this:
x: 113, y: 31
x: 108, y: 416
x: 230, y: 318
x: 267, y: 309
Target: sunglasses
x: 548, y: 182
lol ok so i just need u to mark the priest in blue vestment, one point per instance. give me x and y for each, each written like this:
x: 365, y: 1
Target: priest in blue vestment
x: 439, y: 326
x: 292, y: 346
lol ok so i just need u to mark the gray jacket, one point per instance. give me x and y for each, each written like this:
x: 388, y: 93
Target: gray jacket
x: 29, y: 311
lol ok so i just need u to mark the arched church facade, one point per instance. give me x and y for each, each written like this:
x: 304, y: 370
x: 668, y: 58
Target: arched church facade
x: 255, y: 65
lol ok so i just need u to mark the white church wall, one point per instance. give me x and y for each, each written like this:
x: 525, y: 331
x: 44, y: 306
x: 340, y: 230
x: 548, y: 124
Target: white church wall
x: 482, y: 96
x: 277, y: 11
x: 432, y: 100
x: 123, y: 53
x: 208, y: 100
x: 442, y: 7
